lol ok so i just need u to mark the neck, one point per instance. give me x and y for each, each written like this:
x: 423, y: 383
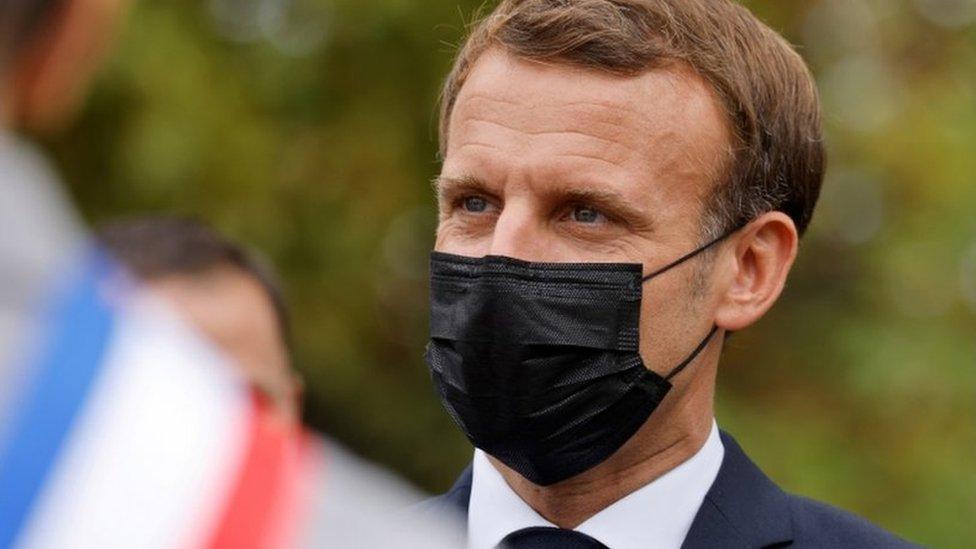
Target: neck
x: 675, y: 432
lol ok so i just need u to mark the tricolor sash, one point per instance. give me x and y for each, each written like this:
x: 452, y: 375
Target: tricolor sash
x: 131, y: 432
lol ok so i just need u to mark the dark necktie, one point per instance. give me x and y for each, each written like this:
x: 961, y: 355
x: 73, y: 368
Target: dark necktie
x: 547, y: 537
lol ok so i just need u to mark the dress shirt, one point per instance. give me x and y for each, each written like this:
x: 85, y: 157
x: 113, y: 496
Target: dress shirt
x: 656, y: 516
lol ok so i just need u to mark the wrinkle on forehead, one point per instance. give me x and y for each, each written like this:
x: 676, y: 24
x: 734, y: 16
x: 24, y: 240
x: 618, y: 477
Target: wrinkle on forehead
x: 561, y: 138
x: 578, y: 123
x: 664, y: 124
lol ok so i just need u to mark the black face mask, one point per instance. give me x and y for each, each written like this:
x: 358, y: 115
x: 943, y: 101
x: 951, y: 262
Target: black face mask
x: 539, y: 363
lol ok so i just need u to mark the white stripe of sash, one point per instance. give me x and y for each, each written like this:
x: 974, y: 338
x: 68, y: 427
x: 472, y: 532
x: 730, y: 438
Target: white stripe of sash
x: 156, y: 448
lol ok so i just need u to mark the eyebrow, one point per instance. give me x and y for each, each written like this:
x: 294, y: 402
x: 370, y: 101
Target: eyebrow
x: 447, y: 189
x: 442, y: 184
x: 610, y: 202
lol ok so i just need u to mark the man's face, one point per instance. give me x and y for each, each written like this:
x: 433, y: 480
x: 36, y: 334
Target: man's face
x: 233, y: 310
x: 560, y: 164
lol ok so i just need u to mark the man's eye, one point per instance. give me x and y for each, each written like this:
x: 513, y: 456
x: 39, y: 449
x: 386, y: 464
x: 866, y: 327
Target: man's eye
x: 586, y: 214
x: 475, y: 204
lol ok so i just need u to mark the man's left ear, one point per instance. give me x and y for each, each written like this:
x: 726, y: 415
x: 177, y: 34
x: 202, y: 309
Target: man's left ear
x: 755, y: 275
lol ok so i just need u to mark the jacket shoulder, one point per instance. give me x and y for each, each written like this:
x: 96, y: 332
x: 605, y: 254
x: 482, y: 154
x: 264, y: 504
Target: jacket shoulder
x: 749, y: 506
x: 818, y: 524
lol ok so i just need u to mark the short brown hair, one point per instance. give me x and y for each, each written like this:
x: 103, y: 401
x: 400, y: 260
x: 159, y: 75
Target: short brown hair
x: 777, y: 156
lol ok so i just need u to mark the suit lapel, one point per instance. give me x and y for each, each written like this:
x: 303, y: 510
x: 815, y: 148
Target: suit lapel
x: 743, y: 508
x: 712, y: 529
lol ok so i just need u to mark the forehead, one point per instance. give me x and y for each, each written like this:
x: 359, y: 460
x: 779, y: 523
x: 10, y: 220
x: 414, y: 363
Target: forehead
x: 663, y: 124
x: 226, y: 303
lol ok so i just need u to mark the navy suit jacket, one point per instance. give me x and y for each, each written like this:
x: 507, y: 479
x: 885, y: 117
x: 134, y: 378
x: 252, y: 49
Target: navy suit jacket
x: 743, y: 509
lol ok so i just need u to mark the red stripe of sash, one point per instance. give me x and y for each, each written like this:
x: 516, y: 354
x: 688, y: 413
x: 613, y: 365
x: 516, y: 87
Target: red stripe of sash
x: 262, y: 503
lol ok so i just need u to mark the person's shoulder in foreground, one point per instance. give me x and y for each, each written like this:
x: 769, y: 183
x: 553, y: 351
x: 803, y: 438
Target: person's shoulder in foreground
x: 159, y: 441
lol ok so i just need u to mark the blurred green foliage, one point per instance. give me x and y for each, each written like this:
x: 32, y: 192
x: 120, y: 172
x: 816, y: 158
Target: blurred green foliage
x: 308, y: 129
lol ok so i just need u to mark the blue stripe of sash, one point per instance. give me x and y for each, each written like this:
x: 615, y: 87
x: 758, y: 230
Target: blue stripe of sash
x: 76, y: 337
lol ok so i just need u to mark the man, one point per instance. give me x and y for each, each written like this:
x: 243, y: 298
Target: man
x: 119, y: 425
x: 223, y: 290
x: 624, y: 184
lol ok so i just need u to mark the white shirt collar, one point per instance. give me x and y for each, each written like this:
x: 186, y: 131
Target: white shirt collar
x: 657, y: 515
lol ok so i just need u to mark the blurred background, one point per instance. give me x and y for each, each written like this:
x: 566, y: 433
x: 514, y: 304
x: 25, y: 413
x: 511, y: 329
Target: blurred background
x: 307, y: 128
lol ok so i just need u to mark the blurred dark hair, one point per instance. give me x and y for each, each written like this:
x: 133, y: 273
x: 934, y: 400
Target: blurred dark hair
x: 157, y: 247
x: 19, y: 22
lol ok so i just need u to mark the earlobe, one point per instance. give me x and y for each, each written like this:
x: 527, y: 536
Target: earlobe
x: 763, y: 255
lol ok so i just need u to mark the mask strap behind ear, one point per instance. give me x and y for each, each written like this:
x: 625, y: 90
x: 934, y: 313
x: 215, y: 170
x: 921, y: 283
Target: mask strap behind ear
x: 688, y: 256
x: 694, y: 354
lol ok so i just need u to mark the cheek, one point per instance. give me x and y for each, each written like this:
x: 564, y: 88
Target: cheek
x: 667, y: 323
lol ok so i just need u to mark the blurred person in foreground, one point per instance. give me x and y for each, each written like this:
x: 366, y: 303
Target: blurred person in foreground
x: 225, y: 291
x: 624, y: 184
x: 119, y: 425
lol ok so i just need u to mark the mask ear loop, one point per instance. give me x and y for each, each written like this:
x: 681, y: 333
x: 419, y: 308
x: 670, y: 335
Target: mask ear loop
x: 694, y: 354
x: 704, y: 343
x: 688, y: 256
